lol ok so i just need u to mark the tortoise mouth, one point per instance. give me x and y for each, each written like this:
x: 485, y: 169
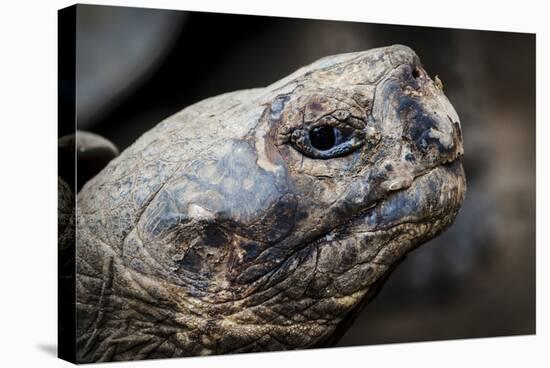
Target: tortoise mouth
x: 431, y: 196
x: 432, y: 200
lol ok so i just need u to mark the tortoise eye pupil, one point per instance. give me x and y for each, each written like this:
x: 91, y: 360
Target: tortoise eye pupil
x: 322, y: 138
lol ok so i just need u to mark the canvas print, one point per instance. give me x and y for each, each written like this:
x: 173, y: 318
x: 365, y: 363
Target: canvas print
x: 237, y: 183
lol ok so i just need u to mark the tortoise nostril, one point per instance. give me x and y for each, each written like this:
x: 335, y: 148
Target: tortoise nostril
x: 457, y: 131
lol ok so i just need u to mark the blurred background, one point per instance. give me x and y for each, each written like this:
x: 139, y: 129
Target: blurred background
x: 136, y: 67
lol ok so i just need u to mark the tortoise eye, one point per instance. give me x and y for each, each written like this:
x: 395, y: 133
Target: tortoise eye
x: 326, y: 141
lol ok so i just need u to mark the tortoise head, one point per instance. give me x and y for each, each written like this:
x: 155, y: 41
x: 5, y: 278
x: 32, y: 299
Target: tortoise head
x: 281, y: 211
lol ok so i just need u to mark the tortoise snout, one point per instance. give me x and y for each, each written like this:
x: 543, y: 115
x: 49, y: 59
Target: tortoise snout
x: 428, y: 130
x: 427, y: 119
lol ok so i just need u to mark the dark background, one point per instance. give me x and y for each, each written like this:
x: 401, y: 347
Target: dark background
x: 136, y: 67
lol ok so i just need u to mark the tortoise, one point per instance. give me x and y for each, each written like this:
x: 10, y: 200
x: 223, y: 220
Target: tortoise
x: 265, y: 219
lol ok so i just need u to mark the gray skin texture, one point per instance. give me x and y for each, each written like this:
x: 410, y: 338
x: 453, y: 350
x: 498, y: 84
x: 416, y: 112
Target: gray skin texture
x: 224, y: 230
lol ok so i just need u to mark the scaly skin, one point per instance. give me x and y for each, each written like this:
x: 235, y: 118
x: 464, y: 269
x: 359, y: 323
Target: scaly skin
x: 223, y: 229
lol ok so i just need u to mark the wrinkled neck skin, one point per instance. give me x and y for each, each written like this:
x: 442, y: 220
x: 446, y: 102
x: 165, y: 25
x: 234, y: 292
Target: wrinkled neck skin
x: 256, y: 241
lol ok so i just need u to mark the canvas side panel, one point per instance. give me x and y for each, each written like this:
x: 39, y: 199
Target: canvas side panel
x: 66, y: 337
